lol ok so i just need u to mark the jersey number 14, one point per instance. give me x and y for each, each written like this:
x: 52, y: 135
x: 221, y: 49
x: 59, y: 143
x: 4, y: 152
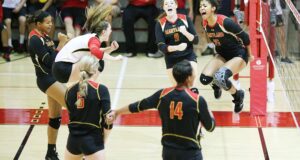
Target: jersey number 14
x: 176, y: 110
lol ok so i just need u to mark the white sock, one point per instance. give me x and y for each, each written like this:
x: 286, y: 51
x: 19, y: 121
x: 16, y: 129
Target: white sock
x: 211, y: 45
x: 22, y: 38
x: 9, y: 42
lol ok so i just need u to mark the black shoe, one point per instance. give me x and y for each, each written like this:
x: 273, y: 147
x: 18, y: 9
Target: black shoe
x: 208, y: 51
x: 286, y: 60
x: 238, y: 101
x: 195, y: 90
x: 217, y: 91
x: 6, y: 56
x: 52, y: 156
x: 130, y: 54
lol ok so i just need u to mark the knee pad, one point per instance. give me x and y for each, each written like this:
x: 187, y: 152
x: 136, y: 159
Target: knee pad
x: 221, y: 78
x: 205, y: 80
x: 54, y: 122
x: 101, y: 65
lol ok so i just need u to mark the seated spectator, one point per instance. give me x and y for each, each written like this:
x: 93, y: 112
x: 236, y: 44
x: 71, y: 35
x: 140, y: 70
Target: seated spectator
x: 35, y: 5
x: 135, y: 10
x: 73, y: 15
x: 4, y: 37
x: 187, y: 11
x: 16, y: 9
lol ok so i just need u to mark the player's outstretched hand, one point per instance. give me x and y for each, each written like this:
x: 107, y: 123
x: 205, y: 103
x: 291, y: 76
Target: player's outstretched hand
x: 62, y: 37
x: 110, y: 117
x: 114, y: 45
x: 118, y: 57
x: 181, y: 46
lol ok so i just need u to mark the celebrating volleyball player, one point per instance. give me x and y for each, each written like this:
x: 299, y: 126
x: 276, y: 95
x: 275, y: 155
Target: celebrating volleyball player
x: 181, y: 112
x: 88, y: 102
x: 65, y: 68
x: 43, y: 53
x: 175, y: 36
x: 233, y: 52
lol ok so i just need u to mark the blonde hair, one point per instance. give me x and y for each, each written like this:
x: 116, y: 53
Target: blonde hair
x: 95, y: 16
x: 88, y: 66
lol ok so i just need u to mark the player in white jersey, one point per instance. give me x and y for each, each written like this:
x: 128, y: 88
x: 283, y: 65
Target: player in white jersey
x: 66, y: 69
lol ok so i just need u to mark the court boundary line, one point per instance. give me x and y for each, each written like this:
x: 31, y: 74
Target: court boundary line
x: 29, y: 131
x: 24, y: 141
x: 262, y: 138
x: 119, y: 83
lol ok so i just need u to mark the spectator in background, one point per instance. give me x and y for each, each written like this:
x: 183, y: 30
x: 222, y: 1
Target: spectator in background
x: 35, y: 5
x: 280, y: 22
x: 4, y: 37
x: 135, y: 10
x: 15, y: 8
x: 73, y: 15
x: 182, y: 10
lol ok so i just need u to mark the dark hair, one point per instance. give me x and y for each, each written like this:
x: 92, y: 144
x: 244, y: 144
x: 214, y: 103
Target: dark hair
x: 214, y: 3
x: 182, y: 70
x: 38, y: 16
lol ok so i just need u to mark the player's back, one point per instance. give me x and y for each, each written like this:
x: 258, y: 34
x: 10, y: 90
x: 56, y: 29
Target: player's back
x: 178, y: 109
x: 75, y: 48
x: 87, y: 116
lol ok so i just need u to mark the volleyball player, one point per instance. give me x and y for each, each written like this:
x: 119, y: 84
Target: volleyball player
x: 175, y: 37
x: 181, y: 112
x: 88, y: 102
x: 233, y: 52
x: 42, y: 52
x: 65, y: 68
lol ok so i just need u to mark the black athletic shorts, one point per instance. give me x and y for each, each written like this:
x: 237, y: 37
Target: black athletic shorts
x: 44, y: 82
x: 8, y: 13
x: 239, y: 53
x: 62, y: 71
x: 171, y: 61
x: 87, y: 144
x: 77, y: 15
x: 177, y: 154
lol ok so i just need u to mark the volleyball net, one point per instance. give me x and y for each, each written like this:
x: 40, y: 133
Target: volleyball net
x: 279, y: 22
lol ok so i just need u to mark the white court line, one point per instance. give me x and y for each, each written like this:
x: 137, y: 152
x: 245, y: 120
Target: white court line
x: 119, y: 83
x: 276, y: 71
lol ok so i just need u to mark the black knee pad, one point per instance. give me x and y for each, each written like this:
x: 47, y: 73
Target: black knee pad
x: 205, y: 80
x: 54, y: 122
x: 101, y: 65
x: 221, y: 78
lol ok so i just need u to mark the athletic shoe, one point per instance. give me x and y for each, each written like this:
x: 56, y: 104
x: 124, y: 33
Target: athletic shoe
x: 217, y: 91
x: 157, y: 54
x: 52, y: 156
x: 238, y: 101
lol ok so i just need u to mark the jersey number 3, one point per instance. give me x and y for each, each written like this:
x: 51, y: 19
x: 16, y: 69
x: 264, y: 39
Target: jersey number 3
x: 176, y: 110
x: 81, y: 100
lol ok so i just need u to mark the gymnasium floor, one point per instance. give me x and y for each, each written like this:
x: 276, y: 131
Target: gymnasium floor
x: 23, y: 117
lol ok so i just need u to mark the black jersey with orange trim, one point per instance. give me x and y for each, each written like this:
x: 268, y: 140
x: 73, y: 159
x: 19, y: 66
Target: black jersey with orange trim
x: 42, y: 52
x: 89, y: 115
x: 167, y: 33
x: 227, y: 36
x: 180, y: 111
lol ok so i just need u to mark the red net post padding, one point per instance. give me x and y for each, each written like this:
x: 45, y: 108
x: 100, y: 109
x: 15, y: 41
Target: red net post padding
x: 258, y: 67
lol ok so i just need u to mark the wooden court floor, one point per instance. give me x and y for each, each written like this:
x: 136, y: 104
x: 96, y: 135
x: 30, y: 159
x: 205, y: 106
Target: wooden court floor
x: 23, y: 117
